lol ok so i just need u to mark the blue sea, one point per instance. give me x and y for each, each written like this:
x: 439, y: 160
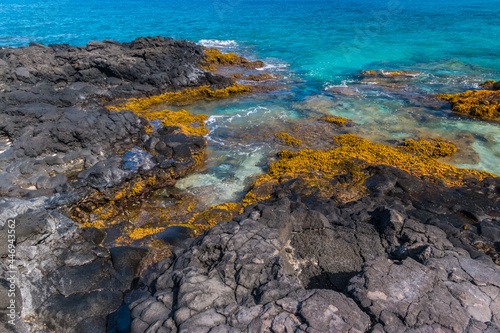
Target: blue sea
x: 318, y: 47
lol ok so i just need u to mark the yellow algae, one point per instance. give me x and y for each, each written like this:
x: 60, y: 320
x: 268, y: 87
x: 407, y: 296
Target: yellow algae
x: 158, y: 251
x: 199, y: 157
x: 228, y: 206
x: 149, y: 129
x: 337, y: 120
x: 122, y: 241
x: 133, y: 188
x: 214, y: 58
x: 369, y: 72
x: 396, y: 73
x: 487, y: 85
x: 99, y: 224
x: 431, y: 148
x: 118, y: 195
x: 260, y: 190
x: 288, y: 139
x: 111, y: 212
x: 140, y: 106
x: 189, y: 123
x: 353, y: 147
x: 151, y: 181
x: 216, y: 214
x: 191, y: 207
x: 250, y: 198
x: 139, y: 233
x: 484, y: 104
x: 259, y: 77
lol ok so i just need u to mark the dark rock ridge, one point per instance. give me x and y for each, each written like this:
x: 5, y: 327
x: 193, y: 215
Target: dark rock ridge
x: 398, y: 260
x: 59, y: 145
x: 52, y: 123
x: 64, y: 75
x: 65, y: 279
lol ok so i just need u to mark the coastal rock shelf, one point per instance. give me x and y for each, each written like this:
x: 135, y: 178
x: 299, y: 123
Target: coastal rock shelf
x: 397, y: 260
x: 51, y: 99
x: 483, y: 104
x: 68, y: 278
x: 341, y: 235
x: 64, y: 154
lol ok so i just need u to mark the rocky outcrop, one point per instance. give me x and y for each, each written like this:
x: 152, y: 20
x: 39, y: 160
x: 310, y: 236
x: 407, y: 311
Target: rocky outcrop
x: 65, y: 279
x: 64, y: 75
x: 397, y: 260
x: 59, y: 146
x: 401, y: 254
x: 52, y: 119
x: 482, y: 104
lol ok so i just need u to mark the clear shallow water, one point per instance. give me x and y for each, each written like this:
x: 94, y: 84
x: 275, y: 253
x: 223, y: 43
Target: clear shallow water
x: 318, y: 47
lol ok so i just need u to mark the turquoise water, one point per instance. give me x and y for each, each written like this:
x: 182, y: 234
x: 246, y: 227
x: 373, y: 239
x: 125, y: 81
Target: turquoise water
x: 318, y: 47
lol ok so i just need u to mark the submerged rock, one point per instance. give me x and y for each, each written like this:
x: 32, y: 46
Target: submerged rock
x: 482, y: 104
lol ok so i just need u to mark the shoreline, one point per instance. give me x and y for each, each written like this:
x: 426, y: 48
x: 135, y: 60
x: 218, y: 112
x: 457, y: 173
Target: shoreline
x: 418, y: 226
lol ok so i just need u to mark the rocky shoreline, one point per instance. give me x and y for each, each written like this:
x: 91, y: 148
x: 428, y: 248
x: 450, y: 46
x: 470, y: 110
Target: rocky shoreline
x: 63, y: 147
x: 344, y: 244
x: 397, y: 260
x: 52, y: 104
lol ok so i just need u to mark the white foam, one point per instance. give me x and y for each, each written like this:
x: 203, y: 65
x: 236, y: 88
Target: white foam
x: 343, y: 84
x: 268, y: 66
x: 213, y: 119
x: 406, y: 74
x: 217, y: 43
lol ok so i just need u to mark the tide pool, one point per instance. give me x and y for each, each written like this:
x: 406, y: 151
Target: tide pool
x: 318, y: 48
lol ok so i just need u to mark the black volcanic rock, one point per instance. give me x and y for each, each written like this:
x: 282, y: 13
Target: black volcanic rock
x: 51, y: 106
x: 66, y: 75
x: 304, y: 264
x: 59, y: 141
x: 65, y: 279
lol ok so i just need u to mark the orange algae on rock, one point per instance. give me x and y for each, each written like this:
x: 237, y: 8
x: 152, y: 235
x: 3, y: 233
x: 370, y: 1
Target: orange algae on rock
x: 484, y: 104
x: 288, y: 139
x: 199, y: 158
x: 365, y: 152
x: 139, y: 233
x: 369, y: 72
x: 260, y: 77
x: 487, y: 84
x: 110, y: 205
x: 142, y: 105
x: 214, y: 58
x: 430, y: 148
x: 315, y: 171
x: 216, y: 214
x: 189, y: 123
x: 491, y: 85
x: 387, y: 73
x: 260, y: 190
x: 337, y: 120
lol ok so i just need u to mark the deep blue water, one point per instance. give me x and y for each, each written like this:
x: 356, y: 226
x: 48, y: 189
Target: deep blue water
x: 317, y: 44
x: 321, y: 38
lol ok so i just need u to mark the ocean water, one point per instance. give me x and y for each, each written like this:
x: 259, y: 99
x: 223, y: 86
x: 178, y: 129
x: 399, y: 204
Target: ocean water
x: 318, y: 47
